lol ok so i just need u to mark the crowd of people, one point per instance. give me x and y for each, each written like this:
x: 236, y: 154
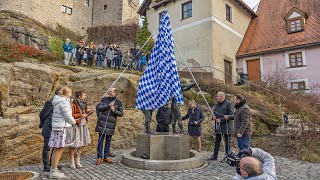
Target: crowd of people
x: 110, y: 56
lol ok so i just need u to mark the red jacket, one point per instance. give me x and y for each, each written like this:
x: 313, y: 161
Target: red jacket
x: 76, y: 112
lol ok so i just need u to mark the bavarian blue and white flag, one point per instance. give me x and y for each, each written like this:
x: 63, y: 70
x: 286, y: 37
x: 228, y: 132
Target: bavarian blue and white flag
x: 160, y: 81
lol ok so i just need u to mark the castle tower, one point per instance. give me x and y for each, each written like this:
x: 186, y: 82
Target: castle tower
x: 115, y: 12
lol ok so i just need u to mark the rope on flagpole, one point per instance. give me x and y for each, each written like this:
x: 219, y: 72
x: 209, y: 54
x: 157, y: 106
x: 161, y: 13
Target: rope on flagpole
x: 218, y: 125
x: 124, y: 84
x: 195, y: 81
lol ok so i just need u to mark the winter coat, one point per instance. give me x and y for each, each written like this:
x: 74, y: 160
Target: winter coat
x: 77, y: 113
x: 90, y: 53
x: 242, y: 121
x: 67, y: 48
x: 268, y: 165
x: 143, y: 59
x: 226, y: 126
x: 194, y: 115
x: 137, y: 56
x: 126, y: 58
x: 164, y: 119
x: 62, y: 113
x: 117, y: 54
x: 100, y: 51
x: 109, y: 53
x: 164, y: 116
x: 45, y: 119
x: 104, y: 125
x: 80, y: 50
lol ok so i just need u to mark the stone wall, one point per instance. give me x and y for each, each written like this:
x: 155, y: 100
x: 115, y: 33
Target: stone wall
x: 50, y: 12
x: 112, y: 15
x: 129, y: 12
x: 99, y: 12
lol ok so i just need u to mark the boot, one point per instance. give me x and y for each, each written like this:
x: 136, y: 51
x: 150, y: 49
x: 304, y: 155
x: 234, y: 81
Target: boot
x: 148, y: 129
x: 72, y: 164
x: 78, y: 165
x: 46, y: 162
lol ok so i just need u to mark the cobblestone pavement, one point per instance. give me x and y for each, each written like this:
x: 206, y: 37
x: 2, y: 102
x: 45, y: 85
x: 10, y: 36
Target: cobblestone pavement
x: 286, y: 169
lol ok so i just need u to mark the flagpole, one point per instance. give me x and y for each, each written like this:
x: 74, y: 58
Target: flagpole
x: 130, y: 63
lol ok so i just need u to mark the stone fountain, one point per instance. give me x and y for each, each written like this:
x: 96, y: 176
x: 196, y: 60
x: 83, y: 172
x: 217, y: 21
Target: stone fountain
x: 163, y: 152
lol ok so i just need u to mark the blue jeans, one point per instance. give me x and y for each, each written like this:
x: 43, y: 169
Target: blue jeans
x: 100, y: 60
x: 117, y: 63
x: 243, y: 142
x: 106, y: 146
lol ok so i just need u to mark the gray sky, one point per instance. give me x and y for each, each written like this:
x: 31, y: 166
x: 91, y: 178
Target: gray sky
x: 251, y: 3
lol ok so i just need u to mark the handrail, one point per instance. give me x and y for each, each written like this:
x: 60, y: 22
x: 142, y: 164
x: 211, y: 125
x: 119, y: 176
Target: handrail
x: 284, y: 97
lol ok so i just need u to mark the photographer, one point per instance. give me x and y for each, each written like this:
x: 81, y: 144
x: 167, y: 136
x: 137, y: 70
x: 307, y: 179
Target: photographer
x: 256, y: 165
x: 242, y: 123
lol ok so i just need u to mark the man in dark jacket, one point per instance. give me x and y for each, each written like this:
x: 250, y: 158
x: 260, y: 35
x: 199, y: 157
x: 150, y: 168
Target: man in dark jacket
x: 100, y: 56
x: 196, y: 118
x: 109, y: 109
x: 241, y: 121
x: 80, y: 52
x: 164, y: 118
x: 117, y: 58
x: 45, y: 124
x: 223, y: 126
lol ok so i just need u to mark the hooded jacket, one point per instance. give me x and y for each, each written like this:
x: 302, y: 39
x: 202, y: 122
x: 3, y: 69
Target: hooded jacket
x: 62, y: 113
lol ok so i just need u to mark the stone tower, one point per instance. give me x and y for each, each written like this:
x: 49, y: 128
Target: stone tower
x: 77, y: 15
x: 115, y: 12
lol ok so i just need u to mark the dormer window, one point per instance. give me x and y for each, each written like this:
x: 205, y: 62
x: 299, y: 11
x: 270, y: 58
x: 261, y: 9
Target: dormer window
x: 295, y: 20
x: 295, y: 25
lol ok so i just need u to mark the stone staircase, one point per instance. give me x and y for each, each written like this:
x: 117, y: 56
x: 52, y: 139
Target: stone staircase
x: 295, y: 126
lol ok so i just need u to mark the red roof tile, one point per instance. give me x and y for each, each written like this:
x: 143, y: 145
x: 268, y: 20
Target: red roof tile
x: 268, y: 31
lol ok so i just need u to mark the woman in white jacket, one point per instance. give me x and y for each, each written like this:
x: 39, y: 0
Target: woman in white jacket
x: 61, y: 120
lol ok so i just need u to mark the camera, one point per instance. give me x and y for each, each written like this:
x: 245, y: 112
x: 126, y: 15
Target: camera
x: 233, y: 158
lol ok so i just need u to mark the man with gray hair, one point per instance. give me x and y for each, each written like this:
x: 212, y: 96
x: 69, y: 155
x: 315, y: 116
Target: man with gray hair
x: 223, y: 126
x: 257, y: 164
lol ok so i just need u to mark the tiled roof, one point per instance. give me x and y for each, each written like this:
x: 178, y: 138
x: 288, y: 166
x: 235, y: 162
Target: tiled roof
x: 268, y: 31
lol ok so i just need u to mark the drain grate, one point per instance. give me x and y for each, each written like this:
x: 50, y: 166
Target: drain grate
x: 16, y: 175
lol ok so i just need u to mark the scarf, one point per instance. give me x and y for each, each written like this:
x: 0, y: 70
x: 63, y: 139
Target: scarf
x: 81, y: 104
x: 240, y: 104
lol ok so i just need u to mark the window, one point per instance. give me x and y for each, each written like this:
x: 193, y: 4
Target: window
x: 295, y: 60
x: 69, y: 11
x: 187, y: 10
x: 86, y: 3
x: 64, y: 9
x: 295, y: 25
x: 105, y: 7
x: 301, y: 85
x: 228, y: 13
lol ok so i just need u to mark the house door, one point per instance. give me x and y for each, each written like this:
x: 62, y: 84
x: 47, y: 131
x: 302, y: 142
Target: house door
x: 254, y: 70
x: 228, y: 72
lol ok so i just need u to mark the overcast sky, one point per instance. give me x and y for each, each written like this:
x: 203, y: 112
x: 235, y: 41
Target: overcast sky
x: 251, y: 3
